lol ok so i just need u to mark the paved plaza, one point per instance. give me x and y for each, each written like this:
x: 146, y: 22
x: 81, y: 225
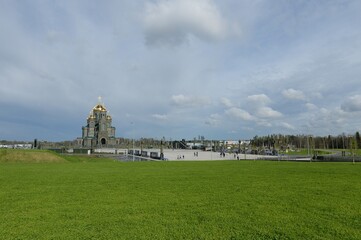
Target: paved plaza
x: 199, y: 155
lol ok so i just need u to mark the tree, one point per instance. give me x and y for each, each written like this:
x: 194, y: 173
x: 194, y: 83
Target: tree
x: 358, y: 139
x: 353, y: 148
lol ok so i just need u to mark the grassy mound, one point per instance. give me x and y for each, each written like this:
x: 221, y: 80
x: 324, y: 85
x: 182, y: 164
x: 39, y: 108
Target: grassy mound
x: 29, y: 156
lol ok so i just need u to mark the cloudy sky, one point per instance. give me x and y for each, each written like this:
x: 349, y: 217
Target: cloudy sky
x: 223, y: 69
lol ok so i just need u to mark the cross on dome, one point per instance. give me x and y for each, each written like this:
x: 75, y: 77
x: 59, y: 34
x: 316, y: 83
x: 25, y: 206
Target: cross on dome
x: 100, y: 106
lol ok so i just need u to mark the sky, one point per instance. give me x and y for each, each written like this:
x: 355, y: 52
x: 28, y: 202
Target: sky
x: 221, y: 69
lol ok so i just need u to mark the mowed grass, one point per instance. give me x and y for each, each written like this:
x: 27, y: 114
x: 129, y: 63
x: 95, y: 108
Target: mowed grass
x: 81, y: 199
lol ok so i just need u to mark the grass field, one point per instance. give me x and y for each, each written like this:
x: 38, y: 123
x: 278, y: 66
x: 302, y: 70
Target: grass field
x: 83, y: 198
x: 308, y: 152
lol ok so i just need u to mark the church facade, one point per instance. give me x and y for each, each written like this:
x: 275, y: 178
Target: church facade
x: 98, y: 132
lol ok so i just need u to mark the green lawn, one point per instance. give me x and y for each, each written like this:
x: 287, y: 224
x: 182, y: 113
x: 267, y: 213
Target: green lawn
x: 102, y: 199
x: 308, y: 152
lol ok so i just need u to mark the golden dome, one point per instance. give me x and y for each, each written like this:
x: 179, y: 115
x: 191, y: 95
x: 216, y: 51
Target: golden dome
x: 91, y: 115
x: 99, y: 107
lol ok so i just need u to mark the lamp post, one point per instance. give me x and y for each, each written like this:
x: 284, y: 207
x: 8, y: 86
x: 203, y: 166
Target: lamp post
x: 133, y: 140
x: 244, y: 147
x: 308, y: 146
x: 161, y: 150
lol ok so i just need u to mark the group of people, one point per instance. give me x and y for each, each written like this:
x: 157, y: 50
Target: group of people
x: 235, y: 155
x: 195, y: 154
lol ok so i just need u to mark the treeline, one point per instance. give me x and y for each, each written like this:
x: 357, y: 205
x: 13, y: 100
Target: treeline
x: 280, y: 141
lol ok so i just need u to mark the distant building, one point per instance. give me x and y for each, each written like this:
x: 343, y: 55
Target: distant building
x: 99, y: 131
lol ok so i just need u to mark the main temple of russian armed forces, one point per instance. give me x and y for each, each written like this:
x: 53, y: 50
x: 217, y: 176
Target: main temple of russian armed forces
x: 98, y: 132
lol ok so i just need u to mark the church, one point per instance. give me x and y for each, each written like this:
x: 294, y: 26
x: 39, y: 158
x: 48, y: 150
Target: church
x: 98, y: 132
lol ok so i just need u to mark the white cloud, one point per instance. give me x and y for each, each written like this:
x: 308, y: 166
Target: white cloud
x: 264, y: 123
x: 259, y: 99
x: 268, y: 112
x: 173, y: 22
x: 287, y: 126
x: 239, y: 114
x: 213, y: 120
x: 226, y: 102
x: 259, y: 104
x: 160, y: 116
x: 352, y: 104
x: 293, y: 94
x: 311, y: 106
x: 331, y: 121
x: 317, y: 95
x: 189, y: 101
